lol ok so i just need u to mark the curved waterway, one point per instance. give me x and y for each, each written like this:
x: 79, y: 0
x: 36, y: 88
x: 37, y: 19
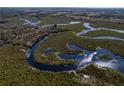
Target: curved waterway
x: 114, y: 62
x: 43, y: 66
x: 90, y: 29
x: 82, y: 60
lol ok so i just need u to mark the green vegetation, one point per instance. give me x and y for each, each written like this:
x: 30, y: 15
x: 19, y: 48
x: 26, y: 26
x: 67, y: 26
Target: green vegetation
x: 105, y: 76
x: 104, y: 57
x: 73, y: 27
x: 3, y: 30
x: 107, y: 25
x: 55, y: 19
x: 104, y: 33
x: 14, y: 70
x: 110, y: 45
x: 60, y: 40
x: 77, y: 52
x: 11, y: 23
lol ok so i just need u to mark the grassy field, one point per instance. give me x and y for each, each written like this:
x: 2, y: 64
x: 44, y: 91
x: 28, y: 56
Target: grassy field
x: 55, y: 19
x: 108, y: 25
x: 11, y: 24
x: 104, y: 33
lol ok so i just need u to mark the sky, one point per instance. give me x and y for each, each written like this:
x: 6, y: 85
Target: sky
x: 62, y: 3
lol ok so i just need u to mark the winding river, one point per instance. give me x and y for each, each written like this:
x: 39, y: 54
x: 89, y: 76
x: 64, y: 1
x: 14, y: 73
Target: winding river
x: 42, y: 66
x: 116, y: 62
x: 89, y: 29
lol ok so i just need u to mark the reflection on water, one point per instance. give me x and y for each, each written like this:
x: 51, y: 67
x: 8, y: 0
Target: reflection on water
x: 116, y: 62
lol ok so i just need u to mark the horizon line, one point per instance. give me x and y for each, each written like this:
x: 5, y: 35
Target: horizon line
x: 59, y: 7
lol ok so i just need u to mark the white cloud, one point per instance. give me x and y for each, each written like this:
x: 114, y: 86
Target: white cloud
x: 61, y: 3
